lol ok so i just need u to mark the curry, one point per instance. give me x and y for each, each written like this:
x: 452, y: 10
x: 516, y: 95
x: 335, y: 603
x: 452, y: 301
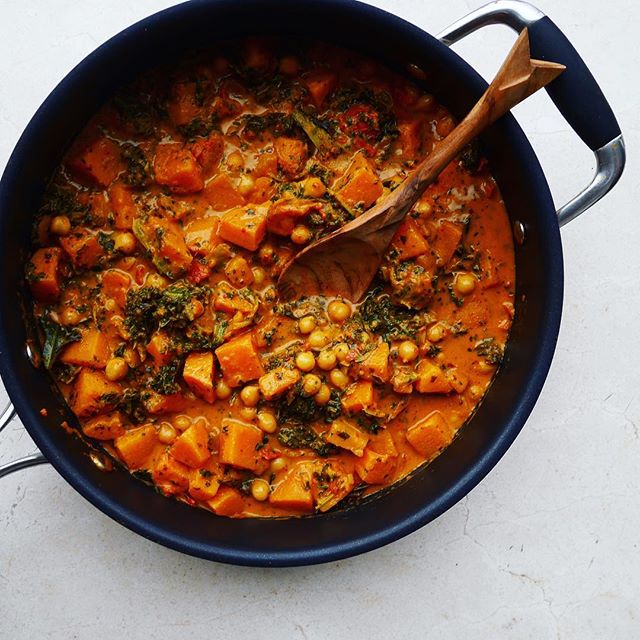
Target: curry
x: 156, y: 252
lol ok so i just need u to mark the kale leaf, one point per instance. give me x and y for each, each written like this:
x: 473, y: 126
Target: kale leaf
x: 56, y: 337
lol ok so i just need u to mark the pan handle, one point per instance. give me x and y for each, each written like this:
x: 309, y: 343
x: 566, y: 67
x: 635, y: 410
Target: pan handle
x: 575, y: 93
x: 6, y: 417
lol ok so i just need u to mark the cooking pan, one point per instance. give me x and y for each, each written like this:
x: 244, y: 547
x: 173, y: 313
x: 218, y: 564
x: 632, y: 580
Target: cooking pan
x: 430, y: 490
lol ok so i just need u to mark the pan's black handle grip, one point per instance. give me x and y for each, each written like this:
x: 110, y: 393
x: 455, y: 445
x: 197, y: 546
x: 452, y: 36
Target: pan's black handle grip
x: 575, y: 92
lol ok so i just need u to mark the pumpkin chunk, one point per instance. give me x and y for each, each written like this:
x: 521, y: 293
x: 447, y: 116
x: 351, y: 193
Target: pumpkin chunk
x: 93, y: 393
x: 92, y: 350
x: 429, y: 435
x: 245, y: 227
x: 136, y: 446
x: 44, y: 274
x: 239, y: 360
x: 431, y: 379
x: 277, y: 381
x: 199, y: 369
x: 345, y: 435
x: 238, y: 442
x: 106, y: 427
x: 192, y: 446
x: 176, y: 167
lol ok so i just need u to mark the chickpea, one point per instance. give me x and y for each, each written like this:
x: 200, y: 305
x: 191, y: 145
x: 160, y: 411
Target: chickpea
x: 116, y: 369
x: 131, y: 357
x: 124, y: 242
x: 289, y: 65
x: 267, y: 421
x: 250, y: 395
x: 110, y: 304
x: 182, y: 422
x: 435, y: 333
x: 342, y: 351
x: 267, y: 254
x: 327, y: 360
x: 235, y: 161
x: 423, y: 208
x: 278, y: 464
x: 70, y: 316
x: 324, y: 394
x: 425, y: 102
x: 314, y: 188
x: 246, y: 184
x: 408, y: 351
x: 166, y: 433
x: 307, y: 324
x: 317, y: 339
x: 339, y: 378
x: 465, y: 283
x: 248, y: 413
x: 260, y: 489
x: 60, y: 225
x: 300, y: 234
x: 311, y: 384
x: 475, y: 391
x: 223, y: 390
x: 338, y: 311
x: 305, y: 361
x: 270, y: 294
x: 484, y: 367
x: 259, y: 275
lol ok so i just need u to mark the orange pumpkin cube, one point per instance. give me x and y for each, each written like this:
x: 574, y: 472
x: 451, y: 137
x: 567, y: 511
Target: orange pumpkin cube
x: 191, y: 447
x: 199, y: 369
x: 430, y: 435
x: 92, y: 350
x: 106, y: 427
x: 239, y: 360
x: 93, y: 393
x: 244, y: 227
x: 237, y: 444
x: 136, y: 446
x: 44, y: 274
x: 176, y: 167
x: 227, y: 502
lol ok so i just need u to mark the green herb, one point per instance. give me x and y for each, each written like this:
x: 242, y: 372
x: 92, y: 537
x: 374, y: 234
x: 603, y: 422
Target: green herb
x: 393, y: 322
x: 318, y: 136
x: 106, y: 242
x: 333, y: 408
x: 490, y: 350
x: 131, y: 403
x: 56, y: 337
x: 148, y: 308
x: 457, y: 300
x: 138, y: 173
x: 300, y: 436
x: 164, y: 382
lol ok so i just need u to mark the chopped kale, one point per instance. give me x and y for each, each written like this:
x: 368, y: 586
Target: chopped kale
x: 300, y: 436
x: 131, y: 403
x: 56, y: 337
x: 106, y: 242
x: 149, y: 308
x: 391, y: 321
x: 164, y: 382
x: 138, y: 173
x: 63, y: 201
x: 470, y: 157
x: 490, y: 350
x: 333, y: 408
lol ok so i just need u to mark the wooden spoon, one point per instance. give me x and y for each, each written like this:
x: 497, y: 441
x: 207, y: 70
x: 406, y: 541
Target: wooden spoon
x: 345, y: 262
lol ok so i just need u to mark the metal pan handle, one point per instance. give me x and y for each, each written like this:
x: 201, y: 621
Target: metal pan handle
x: 575, y: 93
x: 7, y: 416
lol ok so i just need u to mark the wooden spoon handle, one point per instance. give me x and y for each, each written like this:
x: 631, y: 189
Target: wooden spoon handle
x: 518, y: 78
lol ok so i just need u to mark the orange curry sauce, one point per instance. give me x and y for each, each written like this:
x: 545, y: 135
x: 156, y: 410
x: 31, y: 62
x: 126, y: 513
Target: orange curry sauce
x: 156, y: 251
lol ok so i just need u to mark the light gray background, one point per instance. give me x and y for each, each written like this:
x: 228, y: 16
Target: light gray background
x: 545, y: 547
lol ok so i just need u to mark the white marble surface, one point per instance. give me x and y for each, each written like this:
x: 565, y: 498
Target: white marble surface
x: 545, y: 547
